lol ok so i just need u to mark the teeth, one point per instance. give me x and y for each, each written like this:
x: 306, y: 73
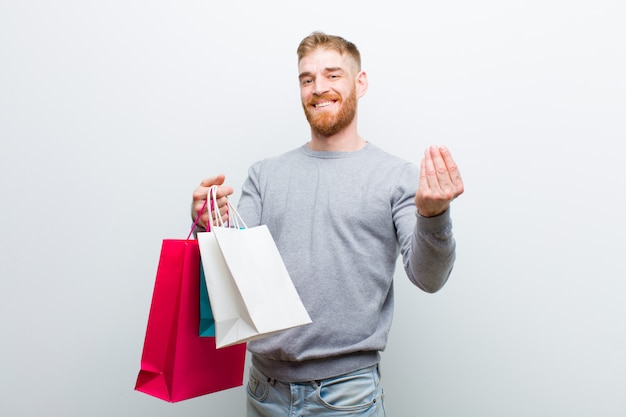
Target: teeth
x: 324, y: 104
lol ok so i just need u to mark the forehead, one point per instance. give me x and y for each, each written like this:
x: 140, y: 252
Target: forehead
x: 321, y: 59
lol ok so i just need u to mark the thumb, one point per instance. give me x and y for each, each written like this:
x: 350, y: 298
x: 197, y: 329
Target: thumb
x: 217, y: 180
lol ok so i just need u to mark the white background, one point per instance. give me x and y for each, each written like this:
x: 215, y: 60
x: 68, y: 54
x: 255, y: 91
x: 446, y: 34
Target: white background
x: 111, y: 112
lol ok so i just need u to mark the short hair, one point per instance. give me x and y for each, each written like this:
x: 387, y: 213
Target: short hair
x: 322, y: 40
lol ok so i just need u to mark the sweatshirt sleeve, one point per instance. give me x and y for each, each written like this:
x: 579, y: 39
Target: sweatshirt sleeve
x: 250, y: 205
x: 427, y: 244
x: 432, y: 252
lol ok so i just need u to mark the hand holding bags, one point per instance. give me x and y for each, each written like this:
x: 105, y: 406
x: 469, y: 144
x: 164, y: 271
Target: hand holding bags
x: 250, y: 291
x: 176, y: 363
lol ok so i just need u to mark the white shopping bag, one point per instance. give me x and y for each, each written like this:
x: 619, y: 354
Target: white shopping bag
x: 251, y: 293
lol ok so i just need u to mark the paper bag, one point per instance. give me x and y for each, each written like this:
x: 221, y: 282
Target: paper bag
x: 176, y: 363
x: 207, y: 322
x: 251, y: 292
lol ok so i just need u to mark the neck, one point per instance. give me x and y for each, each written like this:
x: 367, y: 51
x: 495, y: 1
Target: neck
x: 348, y: 140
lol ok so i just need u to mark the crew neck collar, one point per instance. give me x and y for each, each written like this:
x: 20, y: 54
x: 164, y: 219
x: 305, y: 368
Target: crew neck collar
x: 335, y: 154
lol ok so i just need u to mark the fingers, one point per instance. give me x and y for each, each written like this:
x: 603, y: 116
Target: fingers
x: 434, y: 176
x: 202, y: 191
x: 218, y: 214
x: 430, y: 171
x: 423, y: 184
x: 223, y: 191
x: 440, y: 181
x: 200, y: 195
x: 453, y: 169
x: 442, y: 173
x: 216, y: 180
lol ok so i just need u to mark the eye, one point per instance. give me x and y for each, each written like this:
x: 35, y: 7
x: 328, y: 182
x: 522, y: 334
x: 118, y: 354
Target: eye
x: 306, y: 81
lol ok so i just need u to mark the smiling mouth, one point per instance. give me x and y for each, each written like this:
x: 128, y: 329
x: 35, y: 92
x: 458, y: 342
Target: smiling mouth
x: 323, y: 104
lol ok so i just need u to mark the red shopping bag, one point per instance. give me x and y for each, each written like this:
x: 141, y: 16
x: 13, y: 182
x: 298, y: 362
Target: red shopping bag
x: 176, y: 363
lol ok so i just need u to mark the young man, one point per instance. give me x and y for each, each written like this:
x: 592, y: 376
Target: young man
x: 341, y: 210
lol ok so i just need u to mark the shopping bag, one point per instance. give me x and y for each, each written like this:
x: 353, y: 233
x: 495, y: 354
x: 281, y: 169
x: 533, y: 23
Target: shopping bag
x: 176, y: 363
x: 250, y: 290
x: 207, y: 323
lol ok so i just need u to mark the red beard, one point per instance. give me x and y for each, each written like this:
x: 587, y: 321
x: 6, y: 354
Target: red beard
x: 326, y: 123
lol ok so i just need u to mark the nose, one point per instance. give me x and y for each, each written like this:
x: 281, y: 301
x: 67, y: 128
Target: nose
x: 320, y: 87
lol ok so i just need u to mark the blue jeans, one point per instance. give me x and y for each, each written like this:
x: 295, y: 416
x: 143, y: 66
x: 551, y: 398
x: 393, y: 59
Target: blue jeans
x: 357, y: 394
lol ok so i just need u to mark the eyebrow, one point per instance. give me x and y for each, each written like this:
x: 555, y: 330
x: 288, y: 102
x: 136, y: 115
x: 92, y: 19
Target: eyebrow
x: 325, y: 71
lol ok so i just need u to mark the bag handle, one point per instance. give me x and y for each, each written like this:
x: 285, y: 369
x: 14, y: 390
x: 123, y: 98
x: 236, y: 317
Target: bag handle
x: 234, y: 214
x: 195, y: 223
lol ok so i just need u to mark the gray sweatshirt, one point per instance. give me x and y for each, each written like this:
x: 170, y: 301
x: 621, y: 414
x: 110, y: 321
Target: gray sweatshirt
x: 340, y: 220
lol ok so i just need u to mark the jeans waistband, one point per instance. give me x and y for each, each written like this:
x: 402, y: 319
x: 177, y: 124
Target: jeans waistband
x: 315, y: 383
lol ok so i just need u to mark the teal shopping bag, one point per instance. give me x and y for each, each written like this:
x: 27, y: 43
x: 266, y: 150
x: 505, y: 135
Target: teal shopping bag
x: 207, y: 323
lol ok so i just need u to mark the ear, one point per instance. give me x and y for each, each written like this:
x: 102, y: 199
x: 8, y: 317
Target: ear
x: 361, y: 84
